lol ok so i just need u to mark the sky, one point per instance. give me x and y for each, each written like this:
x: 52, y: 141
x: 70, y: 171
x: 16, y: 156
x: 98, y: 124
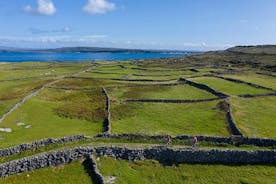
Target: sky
x: 147, y: 24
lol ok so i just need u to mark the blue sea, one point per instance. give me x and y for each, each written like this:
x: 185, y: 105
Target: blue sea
x: 81, y: 56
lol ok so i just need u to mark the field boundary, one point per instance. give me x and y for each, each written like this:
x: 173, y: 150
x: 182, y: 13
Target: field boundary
x: 257, y: 95
x: 162, y: 154
x: 243, y: 82
x: 96, y: 175
x: 171, y: 101
x: 204, y: 87
x: 107, y: 121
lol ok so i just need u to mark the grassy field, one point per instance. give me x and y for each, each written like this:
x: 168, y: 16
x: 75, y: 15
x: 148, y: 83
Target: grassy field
x: 159, y: 92
x: 55, y: 114
x: 176, y: 119
x: 29, y: 72
x: 73, y: 173
x: 263, y: 80
x: 152, y: 172
x: 228, y: 87
x: 255, y: 117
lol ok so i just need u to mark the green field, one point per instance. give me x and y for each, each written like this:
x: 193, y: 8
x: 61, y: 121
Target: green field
x: 228, y: 87
x: 263, y: 80
x: 182, y: 92
x: 176, y: 119
x: 73, y: 173
x: 152, y: 172
x: 255, y: 117
x: 55, y: 114
x: 76, y: 104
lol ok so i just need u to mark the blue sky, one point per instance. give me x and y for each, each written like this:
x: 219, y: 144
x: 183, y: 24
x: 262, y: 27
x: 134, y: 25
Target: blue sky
x: 154, y: 24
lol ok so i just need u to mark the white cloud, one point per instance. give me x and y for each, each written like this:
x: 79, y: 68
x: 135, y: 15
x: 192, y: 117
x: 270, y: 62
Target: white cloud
x: 99, y: 6
x: 45, y: 7
x: 243, y: 21
x: 65, y: 29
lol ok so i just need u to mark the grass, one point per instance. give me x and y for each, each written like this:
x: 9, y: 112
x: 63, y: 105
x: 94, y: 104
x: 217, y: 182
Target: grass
x: 84, y: 83
x: 152, y: 172
x: 175, y: 119
x: 104, y: 76
x: 5, y: 105
x: 73, y: 173
x: 255, y: 117
x: 159, y: 92
x: 228, y: 87
x: 55, y: 115
x: 19, y: 89
x: 263, y: 80
x: 29, y: 72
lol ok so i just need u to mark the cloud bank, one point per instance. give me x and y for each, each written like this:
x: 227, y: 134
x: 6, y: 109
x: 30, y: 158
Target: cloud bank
x: 99, y: 6
x: 44, y: 7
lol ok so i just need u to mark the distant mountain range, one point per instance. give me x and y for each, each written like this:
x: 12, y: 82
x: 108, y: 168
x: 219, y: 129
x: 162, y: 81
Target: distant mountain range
x: 88, y: 49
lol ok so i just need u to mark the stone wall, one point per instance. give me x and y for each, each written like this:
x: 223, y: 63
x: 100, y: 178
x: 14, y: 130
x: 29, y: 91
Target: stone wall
x: 97, y: 176
x: 37, y: 144
x: 172, y: 101
x: 234, y: 128
x: 119, y: 79
x: 204, y: 87
x: 243, y: 82
x: 162, y: 154
x: 215, y: 139
x: 108, y: 118
x: 257, y: 95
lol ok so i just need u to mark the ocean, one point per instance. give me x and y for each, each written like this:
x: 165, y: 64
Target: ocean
x: 81, y: 56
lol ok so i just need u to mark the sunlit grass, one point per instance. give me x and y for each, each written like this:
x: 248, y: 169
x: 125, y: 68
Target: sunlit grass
x: 152, y: 172
x: 176, y: 119
x: 255, y: 117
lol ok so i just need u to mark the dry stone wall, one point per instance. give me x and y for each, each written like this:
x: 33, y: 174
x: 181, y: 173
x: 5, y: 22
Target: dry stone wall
x: 97, y: 176
x: 108, y: 118
x: 257, y: 95
x: 204, y: 87
x: 37, y: 144
x: 162, y: 154
x: 172, y: 101
x: 243, y: 82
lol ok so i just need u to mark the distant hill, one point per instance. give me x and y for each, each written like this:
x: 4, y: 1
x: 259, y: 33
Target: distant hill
x: 87, y: 49
x: 259, y: 49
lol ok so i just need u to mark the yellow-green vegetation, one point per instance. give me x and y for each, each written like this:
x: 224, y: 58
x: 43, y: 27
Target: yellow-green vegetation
x: 185, y: 92
x: 228, y: 87
x: 263, y: 80
x: 74, y: 173
x: 84, y: 83
x: 104, y: 76
x: 177, y: 119
x: 78, y: 106
x: 55, y: 113
x: 152, y: 172
x: 12, y: 73
x: 255, y: 117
